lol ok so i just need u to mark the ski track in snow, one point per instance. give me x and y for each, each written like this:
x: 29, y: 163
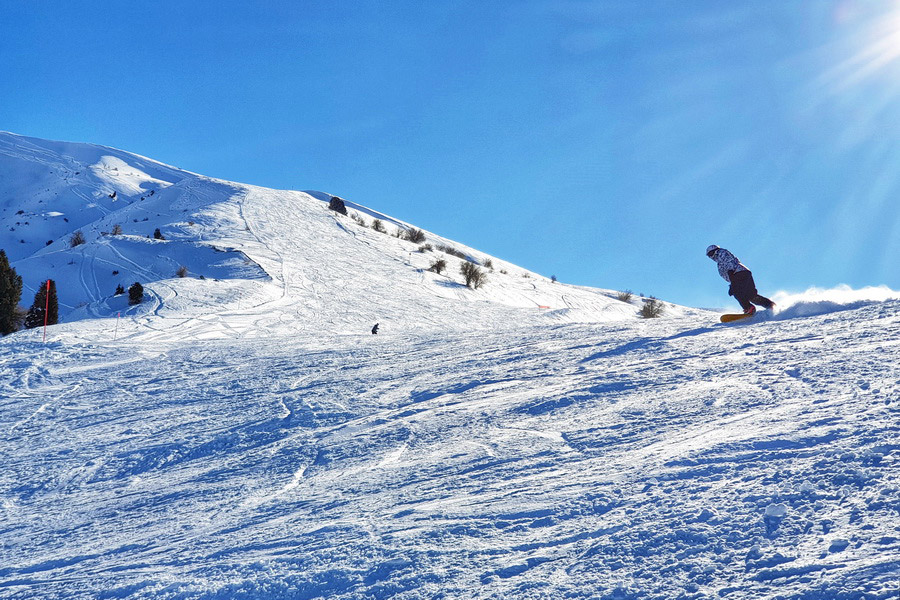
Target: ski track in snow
x: 635, y: 460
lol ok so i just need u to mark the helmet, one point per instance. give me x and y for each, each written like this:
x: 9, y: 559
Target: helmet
x: 711, y: 249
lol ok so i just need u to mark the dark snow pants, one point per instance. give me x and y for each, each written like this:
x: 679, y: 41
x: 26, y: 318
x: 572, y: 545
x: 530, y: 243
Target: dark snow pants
x: 743, y: 288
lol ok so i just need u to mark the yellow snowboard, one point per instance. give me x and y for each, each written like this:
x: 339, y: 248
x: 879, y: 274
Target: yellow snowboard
x: 730, y: 318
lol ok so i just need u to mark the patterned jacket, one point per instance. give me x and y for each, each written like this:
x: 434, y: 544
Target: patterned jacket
x: 727, y: 263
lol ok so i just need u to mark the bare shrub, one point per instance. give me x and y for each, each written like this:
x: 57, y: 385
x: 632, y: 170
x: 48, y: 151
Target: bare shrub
x: 378, y: 226
x: 473, y: 275
x: 416, y: 236
x: 626, y: 296
x: 438, y: 266
x: 182, y: 271
x: 452, y: 251
x: 77, y: 239
x: 117, y: 229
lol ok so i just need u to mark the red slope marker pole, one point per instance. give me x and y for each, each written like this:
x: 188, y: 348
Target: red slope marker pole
x: 47, y: 310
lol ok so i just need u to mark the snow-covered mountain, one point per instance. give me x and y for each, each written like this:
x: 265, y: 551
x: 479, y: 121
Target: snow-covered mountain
x: 244, y: 436
x: 281, y: 255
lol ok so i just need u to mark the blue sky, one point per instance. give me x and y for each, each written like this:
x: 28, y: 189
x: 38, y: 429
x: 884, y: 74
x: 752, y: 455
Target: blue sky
x: 607, y: 143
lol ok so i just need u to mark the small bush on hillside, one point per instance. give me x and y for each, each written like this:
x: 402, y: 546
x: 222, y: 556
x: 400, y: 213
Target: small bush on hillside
x: 488, y: 264
x: 626, y: 296
x: 652, y: 308
x: 116, y: 230
x: 416, y: 236
x: 119, y: 290
x: 135, y: 293
x: 438, y: 266
x: 452, y: 251
x: 425, y: 248
x: 182, y: 271
x: 77, y: 239
x: 359, y: 220
x: 337, y: 205
x: 473, y: 275
x: 378, y: 226
x: 157, y: 234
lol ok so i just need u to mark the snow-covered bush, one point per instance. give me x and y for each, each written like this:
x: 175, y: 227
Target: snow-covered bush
x: 77, y: 239
x: 378, y: 226
x: 625, y: 296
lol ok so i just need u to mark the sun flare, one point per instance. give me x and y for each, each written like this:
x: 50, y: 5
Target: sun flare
x: 878, y: 39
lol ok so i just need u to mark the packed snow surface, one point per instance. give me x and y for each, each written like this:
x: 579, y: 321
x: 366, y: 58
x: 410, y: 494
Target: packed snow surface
x: 245, y: 436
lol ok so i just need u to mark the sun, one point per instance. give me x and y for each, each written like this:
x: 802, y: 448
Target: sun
x: 877, y: 39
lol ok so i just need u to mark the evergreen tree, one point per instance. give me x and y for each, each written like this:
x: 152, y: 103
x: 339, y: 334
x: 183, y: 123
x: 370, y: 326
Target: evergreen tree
x: 136, y: 293
x: 10, y: 294
x: 35, y: 316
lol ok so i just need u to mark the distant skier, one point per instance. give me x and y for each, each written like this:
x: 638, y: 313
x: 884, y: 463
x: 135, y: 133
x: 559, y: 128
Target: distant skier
x: 375, y: 329
x: 742, y: 286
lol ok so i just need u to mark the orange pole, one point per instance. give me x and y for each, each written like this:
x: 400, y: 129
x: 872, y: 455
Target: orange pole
x: 47, y: 310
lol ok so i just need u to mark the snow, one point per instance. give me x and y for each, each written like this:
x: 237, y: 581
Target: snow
x: 245, y: 436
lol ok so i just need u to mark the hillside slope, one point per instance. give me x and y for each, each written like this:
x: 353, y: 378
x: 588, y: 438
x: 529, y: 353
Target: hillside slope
x: 259, y: 258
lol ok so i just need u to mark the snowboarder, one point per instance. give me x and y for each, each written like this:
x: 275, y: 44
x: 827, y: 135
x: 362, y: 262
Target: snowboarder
x: 375, y: 329
x: 742, y: 286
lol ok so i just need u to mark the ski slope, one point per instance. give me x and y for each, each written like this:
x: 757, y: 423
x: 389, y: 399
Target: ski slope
x: 637, y: 459
x: 244, y: 436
